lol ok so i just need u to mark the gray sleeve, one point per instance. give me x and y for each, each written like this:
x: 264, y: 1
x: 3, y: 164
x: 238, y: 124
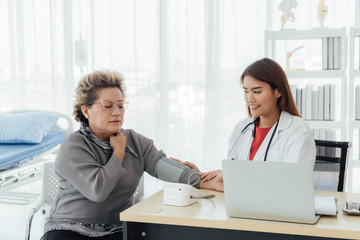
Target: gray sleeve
x: 157, y: 165
x: 145, y: 149
x: 171, y: 171
x: 79, y: 164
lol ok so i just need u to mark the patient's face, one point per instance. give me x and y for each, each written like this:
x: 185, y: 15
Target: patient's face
x: 106, y: 119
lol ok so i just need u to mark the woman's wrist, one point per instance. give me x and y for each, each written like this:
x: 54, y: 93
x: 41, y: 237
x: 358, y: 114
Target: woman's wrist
x: 120, y: 154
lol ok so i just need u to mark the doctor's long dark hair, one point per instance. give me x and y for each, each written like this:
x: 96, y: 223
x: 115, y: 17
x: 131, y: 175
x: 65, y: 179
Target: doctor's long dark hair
x: 269, y: 71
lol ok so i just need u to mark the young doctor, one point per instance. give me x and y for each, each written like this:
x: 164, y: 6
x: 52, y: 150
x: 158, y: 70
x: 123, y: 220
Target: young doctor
x: 274, y: 130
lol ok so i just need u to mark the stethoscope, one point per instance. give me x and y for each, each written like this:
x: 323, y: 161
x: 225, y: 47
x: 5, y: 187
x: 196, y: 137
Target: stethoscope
x: 254, y: 133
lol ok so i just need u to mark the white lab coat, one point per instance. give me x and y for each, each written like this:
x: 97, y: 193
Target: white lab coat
x: 292, y: 142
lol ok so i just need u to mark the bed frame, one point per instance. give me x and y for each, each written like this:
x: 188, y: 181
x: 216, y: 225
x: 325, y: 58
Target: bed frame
x: 12, y: 179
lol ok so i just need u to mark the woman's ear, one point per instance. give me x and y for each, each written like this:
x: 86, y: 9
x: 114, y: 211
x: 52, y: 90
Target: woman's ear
x: 85, y: 111
x: 277, y: 93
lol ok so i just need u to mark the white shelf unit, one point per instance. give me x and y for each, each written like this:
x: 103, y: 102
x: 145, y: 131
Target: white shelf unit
x: 354, y: 80
x: 271, y: 37
x: 326, y: 124
x: 315, y: 74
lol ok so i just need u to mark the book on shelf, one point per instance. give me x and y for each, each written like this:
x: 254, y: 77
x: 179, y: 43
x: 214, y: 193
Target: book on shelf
x: 357, y: 103
x: 321, y: 102
x: 330, y: 53
x: 327, y: 102
x: 315, y: 105
x: 308, y: 98
x: 332, y: 102
x: 303, y: 103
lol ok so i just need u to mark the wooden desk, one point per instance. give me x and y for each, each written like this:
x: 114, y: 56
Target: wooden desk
x: 207, y: 219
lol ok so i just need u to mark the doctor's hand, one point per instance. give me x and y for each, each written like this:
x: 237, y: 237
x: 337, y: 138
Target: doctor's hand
x: 219, y: 183
x: 118, y: 143
x: 186, y: 163
x: 216, y: 183
x: 206, y: 176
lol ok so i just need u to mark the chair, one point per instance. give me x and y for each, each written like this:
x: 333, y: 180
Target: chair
x: 330, y: 165
x: 49, y: 189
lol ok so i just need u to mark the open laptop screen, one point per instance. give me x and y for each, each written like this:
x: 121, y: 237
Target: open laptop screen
x: 269, y: 190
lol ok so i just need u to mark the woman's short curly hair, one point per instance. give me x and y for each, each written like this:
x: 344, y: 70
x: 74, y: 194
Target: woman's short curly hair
x: 86, y: 92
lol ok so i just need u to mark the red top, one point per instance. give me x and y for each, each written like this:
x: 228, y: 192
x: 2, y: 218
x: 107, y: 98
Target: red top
x: 258, y: 139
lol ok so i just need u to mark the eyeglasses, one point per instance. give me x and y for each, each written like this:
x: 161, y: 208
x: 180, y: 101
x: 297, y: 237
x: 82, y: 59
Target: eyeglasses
x: 107, y: 104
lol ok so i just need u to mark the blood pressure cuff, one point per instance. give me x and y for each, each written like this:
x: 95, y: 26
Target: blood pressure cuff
x: 171, y: 171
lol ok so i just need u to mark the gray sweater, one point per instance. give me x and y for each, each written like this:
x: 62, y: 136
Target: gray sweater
x: 94, y: 187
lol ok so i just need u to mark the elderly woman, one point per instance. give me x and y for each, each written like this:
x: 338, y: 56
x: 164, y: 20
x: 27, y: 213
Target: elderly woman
x: 99, y: 166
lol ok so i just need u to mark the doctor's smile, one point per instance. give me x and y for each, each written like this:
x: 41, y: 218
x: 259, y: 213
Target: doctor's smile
x: 254, y: 107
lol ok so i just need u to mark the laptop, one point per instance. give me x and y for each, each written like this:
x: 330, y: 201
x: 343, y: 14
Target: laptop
x: 269, y: 190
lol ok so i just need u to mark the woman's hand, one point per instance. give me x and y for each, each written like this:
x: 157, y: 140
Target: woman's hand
x: 206, y: 176
x: 118, y: 143
x: 186, y: 163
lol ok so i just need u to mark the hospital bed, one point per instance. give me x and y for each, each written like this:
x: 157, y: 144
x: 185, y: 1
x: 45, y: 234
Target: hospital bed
x: 21, y: 160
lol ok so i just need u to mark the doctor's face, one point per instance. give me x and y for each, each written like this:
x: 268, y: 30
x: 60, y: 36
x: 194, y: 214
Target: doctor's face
x: 260, y: 97
x: 106, y: 114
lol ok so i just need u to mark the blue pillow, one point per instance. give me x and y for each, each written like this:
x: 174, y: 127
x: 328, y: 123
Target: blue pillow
x: 29, y: 127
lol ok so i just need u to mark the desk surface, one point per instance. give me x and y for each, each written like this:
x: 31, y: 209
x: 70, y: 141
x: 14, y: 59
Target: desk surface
x: 212, y: 214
